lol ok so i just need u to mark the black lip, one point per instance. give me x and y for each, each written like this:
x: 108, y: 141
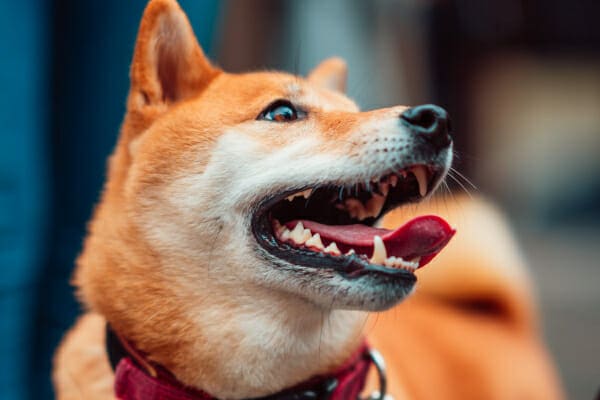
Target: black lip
x: 352, y: 266
x: 349, y: 266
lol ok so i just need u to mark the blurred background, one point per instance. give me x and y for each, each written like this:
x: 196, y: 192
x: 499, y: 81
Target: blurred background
x: 521, y: 79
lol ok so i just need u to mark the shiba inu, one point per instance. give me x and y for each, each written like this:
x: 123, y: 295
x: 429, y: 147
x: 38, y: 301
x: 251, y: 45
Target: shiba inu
x: 235, y: 253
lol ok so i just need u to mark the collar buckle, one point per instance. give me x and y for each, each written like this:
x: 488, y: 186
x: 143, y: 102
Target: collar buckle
x: 377, y: 359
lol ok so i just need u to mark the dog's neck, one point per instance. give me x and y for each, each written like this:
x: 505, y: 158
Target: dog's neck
x: 137, y: 378
x: 275, y: 343
x: 241, y: 341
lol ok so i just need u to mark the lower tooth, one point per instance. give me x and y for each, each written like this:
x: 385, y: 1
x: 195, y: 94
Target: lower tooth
x: 315, y: 241
x: 379, y: 252
x: 332, y: 249
x: 300, y: 235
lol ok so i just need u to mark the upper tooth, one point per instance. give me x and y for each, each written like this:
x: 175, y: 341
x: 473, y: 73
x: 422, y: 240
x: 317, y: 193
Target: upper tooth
x: 332, y: 249
x: 306, y: 194
x: 374, y: 205
x: 355, y: 208
x: 421, y: 175
x: 393, y: 180
x: 379, y: 252
x: 384, y: 188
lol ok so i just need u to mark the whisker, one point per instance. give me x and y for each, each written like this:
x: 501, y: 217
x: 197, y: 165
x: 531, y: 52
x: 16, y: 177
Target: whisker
x: 460, y: 184
x: 464, y: 178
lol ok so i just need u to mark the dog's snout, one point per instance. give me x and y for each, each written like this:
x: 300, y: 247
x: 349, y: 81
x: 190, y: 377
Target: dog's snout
x: 430, y: 122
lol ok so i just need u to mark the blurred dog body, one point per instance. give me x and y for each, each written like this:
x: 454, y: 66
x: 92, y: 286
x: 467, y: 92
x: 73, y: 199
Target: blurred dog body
x: 169, y: 262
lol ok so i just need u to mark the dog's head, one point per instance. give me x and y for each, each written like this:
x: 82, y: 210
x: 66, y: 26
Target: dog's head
x: 242, y: 191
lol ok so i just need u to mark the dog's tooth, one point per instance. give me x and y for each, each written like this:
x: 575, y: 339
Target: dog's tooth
x: 374, y: 205
x: 300, y: 235
x: 332, y: 249
x: 355, y: 208
x: 315, y: 241
x: 379, y: 252
x: 277, y: 227
x: 421, y: 175
x: 384, y: 188
x: 393, y: 179
x: 285, y: 234
x: 350, y: 252
x: 410, y: 265
x: 306, y: 194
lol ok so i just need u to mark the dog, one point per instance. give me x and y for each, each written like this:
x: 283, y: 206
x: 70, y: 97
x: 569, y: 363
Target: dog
x: 235, y: 254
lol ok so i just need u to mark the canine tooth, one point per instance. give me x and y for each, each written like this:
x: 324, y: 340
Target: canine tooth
x: 306, y: 194
x: 333, y: 249
x: 379, y: 252
x: 300, y: 235
x: 393, y: 180
x: 421, y: 176
x: 285, y: 234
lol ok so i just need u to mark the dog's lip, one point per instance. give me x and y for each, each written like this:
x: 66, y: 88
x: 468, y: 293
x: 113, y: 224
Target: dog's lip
x: 350, y: 266
x: 437, y: 173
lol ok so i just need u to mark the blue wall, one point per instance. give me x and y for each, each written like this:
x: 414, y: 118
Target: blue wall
x: 63, y: 84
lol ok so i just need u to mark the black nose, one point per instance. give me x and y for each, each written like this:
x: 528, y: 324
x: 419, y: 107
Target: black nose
x: 430, y: 122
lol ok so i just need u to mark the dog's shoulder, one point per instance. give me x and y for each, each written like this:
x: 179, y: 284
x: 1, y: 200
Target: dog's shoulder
x: 81, y: 367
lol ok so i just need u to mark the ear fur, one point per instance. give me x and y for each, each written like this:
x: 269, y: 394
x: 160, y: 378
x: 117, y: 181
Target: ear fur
x: 331, y: 74
x: 168, y: 63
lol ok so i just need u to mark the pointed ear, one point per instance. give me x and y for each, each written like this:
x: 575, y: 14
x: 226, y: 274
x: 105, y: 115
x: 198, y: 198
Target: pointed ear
x: 331, y: 74
x: 168, y: 63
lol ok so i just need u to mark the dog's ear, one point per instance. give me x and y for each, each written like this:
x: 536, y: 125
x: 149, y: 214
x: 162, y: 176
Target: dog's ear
x: 168, y: 63
x: 331, y: 74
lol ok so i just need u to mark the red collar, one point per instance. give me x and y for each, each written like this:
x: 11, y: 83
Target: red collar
x: 136, y: 378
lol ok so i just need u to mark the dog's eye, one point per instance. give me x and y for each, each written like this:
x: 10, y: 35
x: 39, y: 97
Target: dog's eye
x: 280, y: 111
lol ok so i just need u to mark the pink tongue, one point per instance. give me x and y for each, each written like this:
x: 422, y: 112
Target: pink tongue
x: 420, y: 237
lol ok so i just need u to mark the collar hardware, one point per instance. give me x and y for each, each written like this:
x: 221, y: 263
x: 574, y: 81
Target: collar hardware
x: 377, y: 359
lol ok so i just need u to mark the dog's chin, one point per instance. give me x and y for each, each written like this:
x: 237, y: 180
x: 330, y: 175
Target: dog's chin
x: 328, y: 288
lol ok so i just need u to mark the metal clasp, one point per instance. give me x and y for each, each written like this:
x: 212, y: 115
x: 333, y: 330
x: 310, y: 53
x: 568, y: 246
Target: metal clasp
x: 377, y: 360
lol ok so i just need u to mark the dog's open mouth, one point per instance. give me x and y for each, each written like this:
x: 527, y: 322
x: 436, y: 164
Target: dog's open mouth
x: 331, y: 226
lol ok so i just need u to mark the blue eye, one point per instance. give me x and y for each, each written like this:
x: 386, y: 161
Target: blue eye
x: 279, y: 111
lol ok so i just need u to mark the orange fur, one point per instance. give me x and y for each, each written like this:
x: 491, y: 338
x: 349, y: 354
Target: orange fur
x: 149, y: 264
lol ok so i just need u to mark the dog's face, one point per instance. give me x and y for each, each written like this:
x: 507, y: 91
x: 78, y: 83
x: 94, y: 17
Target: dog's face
x: 239, y: 191
x: 228, y: 169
